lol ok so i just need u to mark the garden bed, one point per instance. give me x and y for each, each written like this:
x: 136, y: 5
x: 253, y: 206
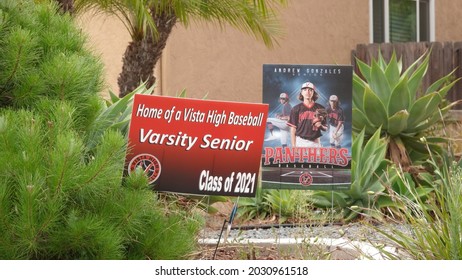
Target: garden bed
x: 266, y: 239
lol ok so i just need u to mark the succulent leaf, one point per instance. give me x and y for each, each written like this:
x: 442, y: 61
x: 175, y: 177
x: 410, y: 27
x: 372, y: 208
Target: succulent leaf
x: 374, y: 149
x: 372, y: 145
x: 375, y: 109
x: 415, y: 79
x: 430, y: 121
x: 321, y: 199
x: 392, y: 71
x: 444, y: 90
x: 415, y: 145
x: 411, y: 68
x: 400, y: 98
x: 380, y: 85
x: 360, y: 121
x: 358, y: 92
x: 381, y: 61
x: 398, y: 122
x: 364, y: 69
x: 435, y: 139
x: 436, y: 85
x: 356, y: 146
x: 418, y: 112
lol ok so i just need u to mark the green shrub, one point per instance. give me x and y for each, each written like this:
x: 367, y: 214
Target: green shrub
x: 56, y: 202
x: 43, y: 57
x: 62, y: 191
x: 435, y: 221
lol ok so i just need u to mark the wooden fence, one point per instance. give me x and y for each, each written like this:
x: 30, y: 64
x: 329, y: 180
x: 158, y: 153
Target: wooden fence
x: 444, y: 58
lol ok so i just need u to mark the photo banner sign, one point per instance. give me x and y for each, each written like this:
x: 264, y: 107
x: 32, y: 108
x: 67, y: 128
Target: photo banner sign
x: 194, y: 146
x: 308, y: 132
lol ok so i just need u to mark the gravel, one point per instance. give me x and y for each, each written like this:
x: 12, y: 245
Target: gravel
x: 349, y: 236
x: 353, y: 231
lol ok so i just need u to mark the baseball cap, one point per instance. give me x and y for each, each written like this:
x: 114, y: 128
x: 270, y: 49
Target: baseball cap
x: 308, y: 85
x: 333, y: 98
x: 284, y: 95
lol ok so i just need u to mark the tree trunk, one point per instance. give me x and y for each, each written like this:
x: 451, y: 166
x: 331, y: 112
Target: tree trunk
x: 142, y: 55
x: 66, y: 6
x: 397, y: 153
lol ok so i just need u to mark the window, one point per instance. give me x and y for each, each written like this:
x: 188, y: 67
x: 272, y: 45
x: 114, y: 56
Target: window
x: 402, y: 20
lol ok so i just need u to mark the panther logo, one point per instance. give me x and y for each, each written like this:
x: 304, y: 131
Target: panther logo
x: 305, y: 179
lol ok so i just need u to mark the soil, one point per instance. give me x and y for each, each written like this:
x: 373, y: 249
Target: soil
x: 243, y: 253
x: 253, y: 252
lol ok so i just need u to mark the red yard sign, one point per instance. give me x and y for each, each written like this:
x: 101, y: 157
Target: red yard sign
x: 197, y: 146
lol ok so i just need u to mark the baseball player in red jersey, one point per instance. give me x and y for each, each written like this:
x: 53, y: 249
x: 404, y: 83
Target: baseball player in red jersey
x: 336, y: 118
x: 307, y: 119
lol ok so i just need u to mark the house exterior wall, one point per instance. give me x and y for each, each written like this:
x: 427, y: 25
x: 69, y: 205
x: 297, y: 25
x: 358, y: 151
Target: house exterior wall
x: 226, y: 64
x: 448, y: 26
x: 108, y: 38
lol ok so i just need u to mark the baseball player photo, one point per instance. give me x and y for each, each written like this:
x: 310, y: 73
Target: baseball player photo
x: 280, y: 121
x: 336, y: 118
x: 310, y: 146
x: 307, y: 119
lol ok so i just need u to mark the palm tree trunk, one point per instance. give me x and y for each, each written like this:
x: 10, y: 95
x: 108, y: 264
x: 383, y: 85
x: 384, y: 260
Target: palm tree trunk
x: 142, y: 55
x: 66, y: 6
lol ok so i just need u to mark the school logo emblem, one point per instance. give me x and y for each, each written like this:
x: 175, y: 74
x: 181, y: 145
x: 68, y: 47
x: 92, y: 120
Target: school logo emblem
x: 305, y: 179
x: 148, y: 163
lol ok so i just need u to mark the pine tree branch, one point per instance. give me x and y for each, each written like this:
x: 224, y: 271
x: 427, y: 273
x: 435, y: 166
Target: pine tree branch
x: 15, y: 68
x: 108, y: 159
x: 42, y: 229
x: 61, y: 177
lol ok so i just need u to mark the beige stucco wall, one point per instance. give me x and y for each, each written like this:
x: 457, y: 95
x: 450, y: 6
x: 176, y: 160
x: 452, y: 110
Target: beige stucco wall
x: 226, y: 64
x: 448, y: 26
x: 108, y: 38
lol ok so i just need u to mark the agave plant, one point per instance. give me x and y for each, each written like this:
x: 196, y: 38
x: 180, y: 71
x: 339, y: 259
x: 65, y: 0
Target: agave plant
x: 281, y: 203
x: 435, y: 221
x: 394, y: 101
x: 115, y: 114
x: 368, y: 171
x: 254, y: 207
